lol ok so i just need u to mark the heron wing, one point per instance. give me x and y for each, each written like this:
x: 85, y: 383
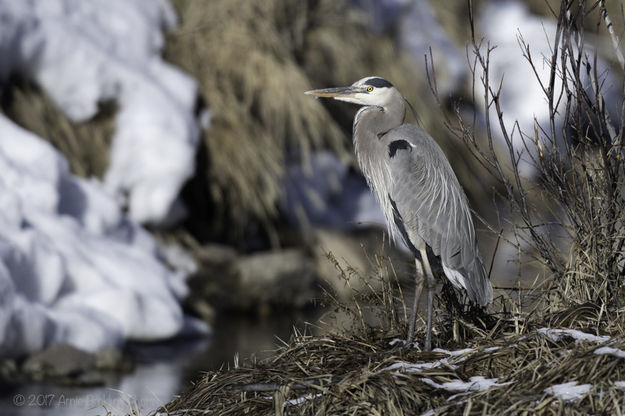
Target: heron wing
x: 429, y: 202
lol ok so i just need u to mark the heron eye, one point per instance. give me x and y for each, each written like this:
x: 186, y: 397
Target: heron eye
x: 369, y: 88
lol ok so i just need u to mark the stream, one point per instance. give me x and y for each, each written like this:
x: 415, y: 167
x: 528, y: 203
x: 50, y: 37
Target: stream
x: 162, y: 370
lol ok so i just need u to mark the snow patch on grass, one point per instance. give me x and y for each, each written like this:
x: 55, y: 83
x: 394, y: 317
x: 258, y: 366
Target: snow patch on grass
x: 569, y: 392
x: 299, y: 400
x: 611, y: 351
x: 557, y: 334
x: 475, y: 383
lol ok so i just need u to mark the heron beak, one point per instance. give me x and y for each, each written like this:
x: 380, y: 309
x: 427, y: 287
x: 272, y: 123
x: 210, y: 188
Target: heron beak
x: 336, y: 92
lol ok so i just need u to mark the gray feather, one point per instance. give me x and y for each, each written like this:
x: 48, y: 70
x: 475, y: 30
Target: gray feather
x: 434, y: 208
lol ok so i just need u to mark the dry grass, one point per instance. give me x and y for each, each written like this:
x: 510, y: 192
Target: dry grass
x: 569, y: 216
x: 362, y: 373
x: 364, y: 370
x: 253, y: 61
x: 85, y: 145
x: 253, y: 87
x: 248, y: 78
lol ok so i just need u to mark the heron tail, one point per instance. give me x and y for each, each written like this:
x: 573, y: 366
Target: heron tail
x: 474, y: 281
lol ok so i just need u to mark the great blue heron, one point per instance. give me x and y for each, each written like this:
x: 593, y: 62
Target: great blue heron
x: 422, y: 201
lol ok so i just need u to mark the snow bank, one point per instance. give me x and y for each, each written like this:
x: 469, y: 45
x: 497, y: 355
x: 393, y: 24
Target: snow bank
x: 82, y: 53
x: 73, y: 267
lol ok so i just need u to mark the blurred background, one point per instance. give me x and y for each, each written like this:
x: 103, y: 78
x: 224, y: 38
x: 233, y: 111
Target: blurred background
x: 169, y: 197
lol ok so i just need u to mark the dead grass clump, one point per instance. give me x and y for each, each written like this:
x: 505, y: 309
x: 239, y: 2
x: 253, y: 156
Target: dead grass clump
x: 527, y: 367
x: 504, y: 373
x: 505, y: 367
x: 253, y: 61
x: 510, y: 366
x: 254, y: 89
x: 329, y: 375
x: 85, y: 145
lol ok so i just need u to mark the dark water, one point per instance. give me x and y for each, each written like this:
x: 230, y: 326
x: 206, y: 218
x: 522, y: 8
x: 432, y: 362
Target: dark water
x: 161, y: 371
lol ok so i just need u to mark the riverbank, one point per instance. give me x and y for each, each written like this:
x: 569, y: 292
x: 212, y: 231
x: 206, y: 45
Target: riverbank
x: 564, y: 363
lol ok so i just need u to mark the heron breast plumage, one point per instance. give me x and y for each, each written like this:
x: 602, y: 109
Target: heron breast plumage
x: 427, y: 204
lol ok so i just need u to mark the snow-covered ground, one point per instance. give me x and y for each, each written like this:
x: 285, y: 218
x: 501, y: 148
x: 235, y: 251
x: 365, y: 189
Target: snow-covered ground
x: 74, y: 268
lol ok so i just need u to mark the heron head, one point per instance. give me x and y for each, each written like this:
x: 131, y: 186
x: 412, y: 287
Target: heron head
x: 367, y: 91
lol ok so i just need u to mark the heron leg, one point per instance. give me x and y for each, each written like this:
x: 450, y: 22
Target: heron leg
x: 415, y: 303
x: 429, y: 287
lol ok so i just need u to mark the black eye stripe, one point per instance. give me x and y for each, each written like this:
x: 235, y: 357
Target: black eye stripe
x: 378, y: 83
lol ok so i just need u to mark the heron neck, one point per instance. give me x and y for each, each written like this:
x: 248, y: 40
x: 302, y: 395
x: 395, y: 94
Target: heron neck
x: 372, y: 122
x: 380, y: 119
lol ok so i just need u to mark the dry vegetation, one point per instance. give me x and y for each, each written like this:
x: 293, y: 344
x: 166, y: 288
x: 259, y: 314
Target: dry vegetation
x: 367, y: 372
x: 85, y: 145
x: 572, y: 222
x: 364, y: 372
x: 253, y: 61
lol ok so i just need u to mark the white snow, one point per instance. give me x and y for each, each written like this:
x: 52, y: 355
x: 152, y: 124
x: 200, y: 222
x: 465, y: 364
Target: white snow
x: 618, y: 353
x: 419, y: 31
x: 83, y: 53
x: 455, y: 352
x: 73, y: 267
x: 396, y: 341
x: 475, y: 383
x: 457, y: 356
x: 557, y: 334
x: 404, y: 367
x: 570, y: 391
x: 620, y: 384
x: 299, y: 400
